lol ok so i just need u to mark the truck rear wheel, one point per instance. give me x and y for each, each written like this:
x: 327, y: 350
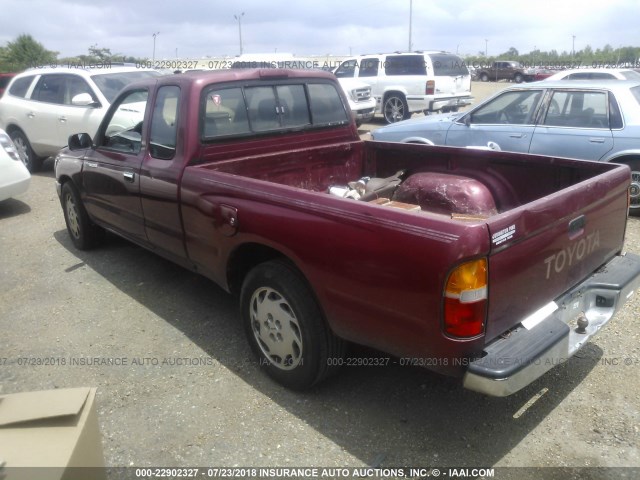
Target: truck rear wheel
x: 286, y: 327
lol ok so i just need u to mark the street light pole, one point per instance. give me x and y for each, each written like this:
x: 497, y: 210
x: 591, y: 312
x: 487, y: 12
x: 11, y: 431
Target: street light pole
x: 410, y: 22
x: 239, y: 19
x: 486, y: 48
x: 154, y: 46
x: 573, y: 48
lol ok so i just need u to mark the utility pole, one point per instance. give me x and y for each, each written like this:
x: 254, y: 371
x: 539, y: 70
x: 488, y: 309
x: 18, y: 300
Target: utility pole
x: 239, y: 19
x: 153, y: 58
x: 573, y: 48
x: 410, y: 23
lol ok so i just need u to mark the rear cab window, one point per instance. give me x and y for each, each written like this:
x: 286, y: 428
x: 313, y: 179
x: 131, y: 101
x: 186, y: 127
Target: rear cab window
x: 261, y: 109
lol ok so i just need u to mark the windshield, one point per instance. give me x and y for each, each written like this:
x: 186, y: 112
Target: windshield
x: 111, y: 83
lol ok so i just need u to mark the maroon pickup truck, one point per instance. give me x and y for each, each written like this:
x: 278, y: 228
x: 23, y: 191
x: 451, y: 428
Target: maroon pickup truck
x: 491, y: 266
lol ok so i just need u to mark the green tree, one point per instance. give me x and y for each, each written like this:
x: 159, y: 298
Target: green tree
x: 25, y: 52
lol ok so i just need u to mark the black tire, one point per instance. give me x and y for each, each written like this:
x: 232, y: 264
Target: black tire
x: 484, y: 77
x: 634, y: 189
x: 518, y: 78
x: 84, y: 233
x: 395, y: 108
x: 25, y: 152
x: 286, y: 328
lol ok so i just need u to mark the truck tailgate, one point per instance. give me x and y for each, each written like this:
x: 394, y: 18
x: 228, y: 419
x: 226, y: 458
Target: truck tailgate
x: 545, y: 247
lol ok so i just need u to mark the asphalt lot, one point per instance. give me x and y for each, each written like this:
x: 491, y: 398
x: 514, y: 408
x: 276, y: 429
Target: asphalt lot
x: 186, y: 391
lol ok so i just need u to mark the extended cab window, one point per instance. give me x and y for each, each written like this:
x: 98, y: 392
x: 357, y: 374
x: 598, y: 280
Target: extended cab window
x: 224, y: 113
x: 578, y: 109
x: 124, y: 130
x: 164, y: 123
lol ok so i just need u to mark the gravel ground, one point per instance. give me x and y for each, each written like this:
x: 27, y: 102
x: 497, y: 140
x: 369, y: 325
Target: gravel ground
x: 186, y: 392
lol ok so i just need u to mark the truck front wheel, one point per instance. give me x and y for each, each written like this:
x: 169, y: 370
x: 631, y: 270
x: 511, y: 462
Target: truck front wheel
x: 286, y: 328
x: 84, y: 234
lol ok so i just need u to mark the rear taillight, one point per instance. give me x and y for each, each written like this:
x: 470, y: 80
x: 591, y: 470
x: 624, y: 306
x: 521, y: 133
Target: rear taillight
x: 430, y: 88
x: 8, y: 146
x: 465, y: 299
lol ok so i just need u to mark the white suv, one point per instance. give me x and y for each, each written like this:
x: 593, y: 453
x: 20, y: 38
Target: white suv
x: 43, y: 106
x: 361, y: 102
x: 404, y: 83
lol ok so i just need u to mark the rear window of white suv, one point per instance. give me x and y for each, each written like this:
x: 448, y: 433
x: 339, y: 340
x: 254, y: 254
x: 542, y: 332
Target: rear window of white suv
x: 405, y: 65
x: 448, y: 65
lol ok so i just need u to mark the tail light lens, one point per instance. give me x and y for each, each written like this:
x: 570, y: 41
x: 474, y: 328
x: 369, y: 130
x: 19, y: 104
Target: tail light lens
x: 465, y: 302
x: 430, y: 88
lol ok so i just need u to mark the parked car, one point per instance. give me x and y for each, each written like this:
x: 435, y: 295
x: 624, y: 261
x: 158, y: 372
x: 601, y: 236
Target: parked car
x: 504, y: 70
x: 405, y: 83
x: 14, y: 176
x: 361, y: 101
x: 42, y: 107
x: 595, y: 74
x: 536, y: 74
x: 5, y: 78
x: 578, y: 119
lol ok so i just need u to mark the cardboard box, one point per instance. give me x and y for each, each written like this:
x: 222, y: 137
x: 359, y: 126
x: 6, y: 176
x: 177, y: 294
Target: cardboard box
x: 49, y: 434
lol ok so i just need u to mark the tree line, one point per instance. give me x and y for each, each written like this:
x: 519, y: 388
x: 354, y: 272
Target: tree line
x: 25, y: 52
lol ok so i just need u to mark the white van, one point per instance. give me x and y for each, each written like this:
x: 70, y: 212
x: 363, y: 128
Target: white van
x: 404, y: 83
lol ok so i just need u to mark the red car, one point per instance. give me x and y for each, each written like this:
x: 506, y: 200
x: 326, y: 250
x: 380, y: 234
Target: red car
x: 5, y: 78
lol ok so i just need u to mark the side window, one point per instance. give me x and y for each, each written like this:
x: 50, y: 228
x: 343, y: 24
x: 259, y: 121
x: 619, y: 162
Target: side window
x: 615, y: 118
x: 75, y: 85
x: 164, y: 123
x: 21, y: 86
x: 224, y: 113
x: 293, y: 105
x: 514, y: 108
x: 326, y: 104
x: 261, y: 105
x: 50, y: 89
x: 369, y: 67
x: 587, y: 109
x: 346, y: 69
x: 405, y: 65
x: 124, y: 130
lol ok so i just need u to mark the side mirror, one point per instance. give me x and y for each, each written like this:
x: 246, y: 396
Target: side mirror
x: 80, y: 141
x: 84, y: 100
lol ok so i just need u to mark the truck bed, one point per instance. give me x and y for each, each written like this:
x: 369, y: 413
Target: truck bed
x: 535, y: 199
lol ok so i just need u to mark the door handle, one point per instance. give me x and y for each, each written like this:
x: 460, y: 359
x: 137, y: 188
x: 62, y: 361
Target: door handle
x: 129, y: 176
x: 62, y: 119
x: 31, y: 114
x: 596, y: 140
x: 516, y: 135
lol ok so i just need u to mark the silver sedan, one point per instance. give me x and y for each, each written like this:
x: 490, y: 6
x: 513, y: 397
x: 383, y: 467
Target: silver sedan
x: 590, y: 120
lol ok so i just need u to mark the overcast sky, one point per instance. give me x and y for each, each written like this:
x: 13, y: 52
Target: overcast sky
x: 200, y: 28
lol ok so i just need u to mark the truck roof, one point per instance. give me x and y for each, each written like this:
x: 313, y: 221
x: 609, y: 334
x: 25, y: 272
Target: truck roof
x: 231, y: 75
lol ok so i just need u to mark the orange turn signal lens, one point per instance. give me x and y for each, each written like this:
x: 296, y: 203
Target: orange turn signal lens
x: 466, y: 299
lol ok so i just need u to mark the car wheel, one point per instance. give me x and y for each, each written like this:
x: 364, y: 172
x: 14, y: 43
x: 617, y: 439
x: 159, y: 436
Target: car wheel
x: 634, y: 188
x: 395, y: 108
x: 84, y: 234
x: 25, y: 152
x: 484, y: 77
x: 286, y: 328
x: 518, y: 78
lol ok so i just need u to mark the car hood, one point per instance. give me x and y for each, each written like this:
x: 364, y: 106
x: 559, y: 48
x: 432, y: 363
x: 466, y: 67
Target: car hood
x: 416, y: 127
